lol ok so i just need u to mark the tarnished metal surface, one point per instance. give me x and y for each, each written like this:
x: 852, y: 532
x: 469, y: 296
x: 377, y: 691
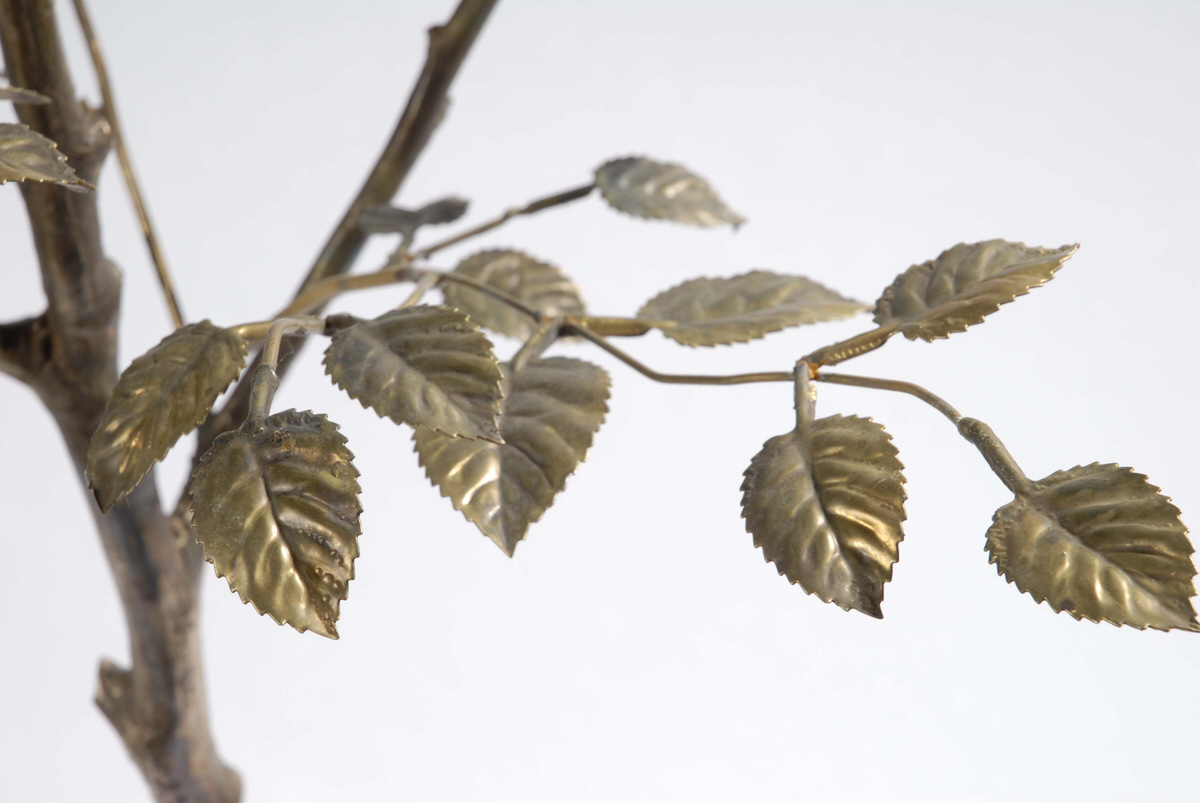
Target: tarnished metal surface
x: 1098, y: 542
x: 26, y: 155
x: 276, y: 510
x: 163, y: 395
x: 710, y: 312
x: 552, y: 408
x: 540, y: 285
x: 424, y: 366
x: 18, y: 95
x: 652, y: 189
x: 963, y: 285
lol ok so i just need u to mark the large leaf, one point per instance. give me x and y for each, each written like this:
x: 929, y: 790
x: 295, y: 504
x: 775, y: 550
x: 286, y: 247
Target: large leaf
x: 540, y: 285
x: 26, y: 155
x: 963, y: 285
x: 552, y: 408
x: 18, y: 95
x: 651, y: 189
x: 710, y: 312
x: 423, y: 366
x: 276, y: 510
x: 1099, y: 542
x: 826, y: 509
x: 163, y: 395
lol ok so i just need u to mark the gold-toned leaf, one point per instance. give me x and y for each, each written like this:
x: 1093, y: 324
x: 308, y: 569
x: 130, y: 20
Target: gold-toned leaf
x: 963, y: 285
x: 711, y: 312
x: 540, y: 285
x: 18, y: 95
x: 423, y: 366
x: 26, y: 155
x: 649, y: 189
x: 1099, y: 542
x: 552, y: 408
x: 827, y: 509
x: 163, y: 395
x: 276, y: 510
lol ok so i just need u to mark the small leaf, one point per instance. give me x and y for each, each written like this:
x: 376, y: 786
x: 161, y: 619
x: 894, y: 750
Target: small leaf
x: 393, y: 219
x: 552, y: 408
x: 711, y: 312
x: 276, y: 510
x: 423, y: 366
x: 18, y: 95
x: 1099, y: 542
x: 828, y: 513
x: 963, y: 285
x: 649, y: 189
x: 26, y: 155
x: 163, y: 395
x: 540, y: 285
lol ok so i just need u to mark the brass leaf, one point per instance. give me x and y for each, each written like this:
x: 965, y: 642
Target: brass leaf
x: 711, y: 312
x: 963, y: 285
x: 18, y: 95
x: 649, y: 189
x: 827, y: 510
x: 538, y: 284
x: 26, y: 155
x: 552, y: 408
x: 1099, y: 542
x: 423, y: 366
x: 163, y: 395
x: 276, y: 510
x: 393, y: 219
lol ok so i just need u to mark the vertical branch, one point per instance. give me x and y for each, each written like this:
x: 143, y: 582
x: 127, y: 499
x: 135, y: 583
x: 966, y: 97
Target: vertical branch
x: 448, y: 47
x: 68, y: 356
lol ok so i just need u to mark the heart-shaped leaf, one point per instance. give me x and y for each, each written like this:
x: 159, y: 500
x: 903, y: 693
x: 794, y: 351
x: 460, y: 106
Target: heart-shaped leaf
x: 276, y: 510
x: 649, y: 189
x: 26, y: 155
x: 1098, y: 542
x: 163, y: 395
x: 711, y: 312
x: 826, y: 508
x: 551, y: 410
x: 541, y: 286
x: 18, y: 95
x: 423, y: 366
x: 963, y: 285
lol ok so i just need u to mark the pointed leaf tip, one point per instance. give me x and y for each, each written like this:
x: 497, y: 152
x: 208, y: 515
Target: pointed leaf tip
x: 649, y: 189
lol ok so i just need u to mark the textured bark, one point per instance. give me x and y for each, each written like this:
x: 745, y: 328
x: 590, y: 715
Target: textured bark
x: 68, y: 356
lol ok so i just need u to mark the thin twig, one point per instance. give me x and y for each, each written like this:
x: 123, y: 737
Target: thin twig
x: 131, y: 183
x: 530, y: 208
x: 486, y: 289
x: 571, y: 327
x: 895, y: 385
x: 448, y: 47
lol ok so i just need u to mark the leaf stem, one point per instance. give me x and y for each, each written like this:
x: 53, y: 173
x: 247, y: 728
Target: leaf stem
x: 577, y: 328
x: 852, y: 346
x: 482, y: 287
x: 537, y: 343
x: 314, y: 296
x: 131, y: 183
x: 998, y: 458
x: 557, y: 199
x: 266, y: 377
x: 423, y: 286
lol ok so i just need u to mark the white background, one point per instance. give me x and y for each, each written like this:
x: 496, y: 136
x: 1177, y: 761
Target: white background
x: 638, y: 648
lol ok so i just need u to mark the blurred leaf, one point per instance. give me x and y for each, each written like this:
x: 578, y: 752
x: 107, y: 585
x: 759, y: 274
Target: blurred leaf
x: 650, y: 189
x: 163, y: 395
x: 963, y: 285
x: 18, y: 95
x: 828, y: 512
x: 712, y: 312
x: 393, y: 219
x: 1099, y: 542
x: 276, y: 510
x: 551, y: 410
x: 538, y: 284
x: 26, y: 155
x: 423, y: 366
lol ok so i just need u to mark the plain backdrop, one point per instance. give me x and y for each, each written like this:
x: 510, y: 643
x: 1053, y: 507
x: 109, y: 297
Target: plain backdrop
x: 638, y: 648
